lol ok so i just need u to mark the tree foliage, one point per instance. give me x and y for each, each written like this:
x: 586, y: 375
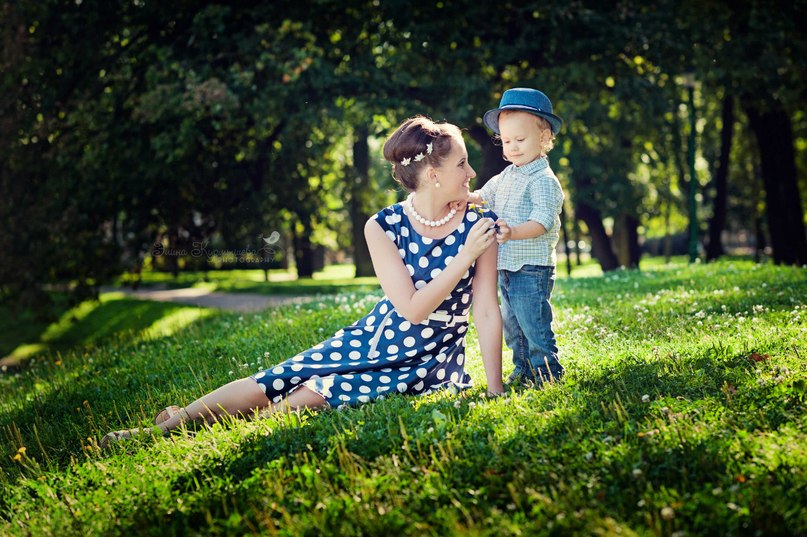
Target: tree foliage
x: 126, y: 124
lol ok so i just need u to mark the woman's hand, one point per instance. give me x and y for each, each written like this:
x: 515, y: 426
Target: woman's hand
x: 480, y: 238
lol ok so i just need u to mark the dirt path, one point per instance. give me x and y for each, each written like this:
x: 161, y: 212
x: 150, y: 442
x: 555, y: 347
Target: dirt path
x: 240, y: 302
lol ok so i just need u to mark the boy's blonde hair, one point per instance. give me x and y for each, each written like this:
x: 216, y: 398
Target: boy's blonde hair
x: 542, y: 125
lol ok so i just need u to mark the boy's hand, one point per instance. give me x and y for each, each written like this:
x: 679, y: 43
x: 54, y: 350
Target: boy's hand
x: 475, y: 198
x: 504, y: 233
x: 458, y: 205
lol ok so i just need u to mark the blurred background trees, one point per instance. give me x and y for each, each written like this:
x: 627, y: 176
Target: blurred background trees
x: 130, y: 126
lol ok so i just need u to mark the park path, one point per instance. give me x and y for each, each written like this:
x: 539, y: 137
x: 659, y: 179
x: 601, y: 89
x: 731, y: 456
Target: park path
x: 239, y: 302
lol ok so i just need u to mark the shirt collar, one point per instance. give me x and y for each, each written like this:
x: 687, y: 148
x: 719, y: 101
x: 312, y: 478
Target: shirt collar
x: 532, y: 167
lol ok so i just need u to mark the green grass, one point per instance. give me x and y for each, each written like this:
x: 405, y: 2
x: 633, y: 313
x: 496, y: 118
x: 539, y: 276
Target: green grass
x: 332, y: 279
x: 682, y: 413
x: 89, y: 324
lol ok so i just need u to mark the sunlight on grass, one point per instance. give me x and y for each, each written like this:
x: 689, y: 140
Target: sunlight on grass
x: 332, y: 279
x: 113, y: 315
x: 176, y: 321
x: 682, y: 413
x: 26, y: 350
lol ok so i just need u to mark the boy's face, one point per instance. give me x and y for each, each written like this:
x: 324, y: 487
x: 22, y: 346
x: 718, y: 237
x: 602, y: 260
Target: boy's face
x: 523, y: 139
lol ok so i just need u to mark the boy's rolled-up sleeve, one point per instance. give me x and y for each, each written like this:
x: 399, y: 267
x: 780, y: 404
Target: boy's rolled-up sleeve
x: 546, y: 198
x: 488, y: 191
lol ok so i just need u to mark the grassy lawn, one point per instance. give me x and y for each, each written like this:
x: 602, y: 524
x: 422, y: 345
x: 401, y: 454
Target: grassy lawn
x: 89, y: 324
x: 682, y: 413
x: 332, y: 279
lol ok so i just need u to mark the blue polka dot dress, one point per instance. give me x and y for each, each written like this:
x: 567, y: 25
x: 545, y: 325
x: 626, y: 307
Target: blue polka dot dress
x: 382, y: 352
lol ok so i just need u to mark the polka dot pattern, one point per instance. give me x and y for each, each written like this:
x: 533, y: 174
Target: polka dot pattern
x: 382, y: 352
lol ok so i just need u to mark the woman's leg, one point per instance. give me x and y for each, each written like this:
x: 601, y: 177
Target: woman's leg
x: 302, y: 397
x: 240, y: 398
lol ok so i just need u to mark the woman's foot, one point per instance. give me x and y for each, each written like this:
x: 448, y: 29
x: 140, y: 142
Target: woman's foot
x: 116, y: 436
x: 169, y: 412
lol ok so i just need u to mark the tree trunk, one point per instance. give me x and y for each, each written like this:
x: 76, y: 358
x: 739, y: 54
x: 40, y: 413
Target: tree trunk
x: 667, y: 234
x: 173, y: 247
x: 492, y: 161
x: 714, y: 248
x: 304, y: 250
x: 600, y: 243
x: 774, y: 135
x: 626, y: 241
x: 564, y: 227
x: 358, y: 216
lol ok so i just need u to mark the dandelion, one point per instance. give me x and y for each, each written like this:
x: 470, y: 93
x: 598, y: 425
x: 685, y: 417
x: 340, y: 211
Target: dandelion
x: 645, y: 398
x: 457, y: 404
x: 637, y: 473
x: 667, y: 513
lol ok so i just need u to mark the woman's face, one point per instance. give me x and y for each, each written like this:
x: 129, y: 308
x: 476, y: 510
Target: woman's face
x: 455, y: 173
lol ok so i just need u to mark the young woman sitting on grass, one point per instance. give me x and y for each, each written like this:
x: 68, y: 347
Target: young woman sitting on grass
x: 435, y: 259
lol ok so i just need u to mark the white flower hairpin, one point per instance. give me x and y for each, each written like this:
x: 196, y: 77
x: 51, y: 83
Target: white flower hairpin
x: 418, y: 157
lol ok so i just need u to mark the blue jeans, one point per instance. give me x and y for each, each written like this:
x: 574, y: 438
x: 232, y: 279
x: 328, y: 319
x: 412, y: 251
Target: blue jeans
x: 527, y: 322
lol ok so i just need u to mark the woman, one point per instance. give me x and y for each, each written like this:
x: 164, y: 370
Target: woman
x: 434, y: 257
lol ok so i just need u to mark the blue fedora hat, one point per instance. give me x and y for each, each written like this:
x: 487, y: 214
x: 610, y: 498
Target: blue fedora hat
x: 527, y: 100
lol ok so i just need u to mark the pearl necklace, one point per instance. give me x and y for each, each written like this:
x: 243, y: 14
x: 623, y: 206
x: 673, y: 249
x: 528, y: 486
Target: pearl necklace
x: 425, y: 222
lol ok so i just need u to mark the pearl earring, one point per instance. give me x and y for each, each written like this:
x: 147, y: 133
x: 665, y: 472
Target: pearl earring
x: 437, y: 184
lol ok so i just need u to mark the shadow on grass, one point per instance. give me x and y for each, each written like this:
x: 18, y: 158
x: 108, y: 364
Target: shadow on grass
x: 303, y: 286
x: 547, y: 455
x: 331, y: 280
x: 555, y: 457
x: 21, y: 327
x: 89, y: 323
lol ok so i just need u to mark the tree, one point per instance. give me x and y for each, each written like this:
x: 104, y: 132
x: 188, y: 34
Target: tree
x: 754, y: 49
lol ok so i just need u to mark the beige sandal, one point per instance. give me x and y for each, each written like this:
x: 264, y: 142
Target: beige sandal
x: 166, y: 413
x: 116, y: 436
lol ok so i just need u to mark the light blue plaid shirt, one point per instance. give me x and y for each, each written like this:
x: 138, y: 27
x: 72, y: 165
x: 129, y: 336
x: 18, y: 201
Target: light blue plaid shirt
x: 522, y: 193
